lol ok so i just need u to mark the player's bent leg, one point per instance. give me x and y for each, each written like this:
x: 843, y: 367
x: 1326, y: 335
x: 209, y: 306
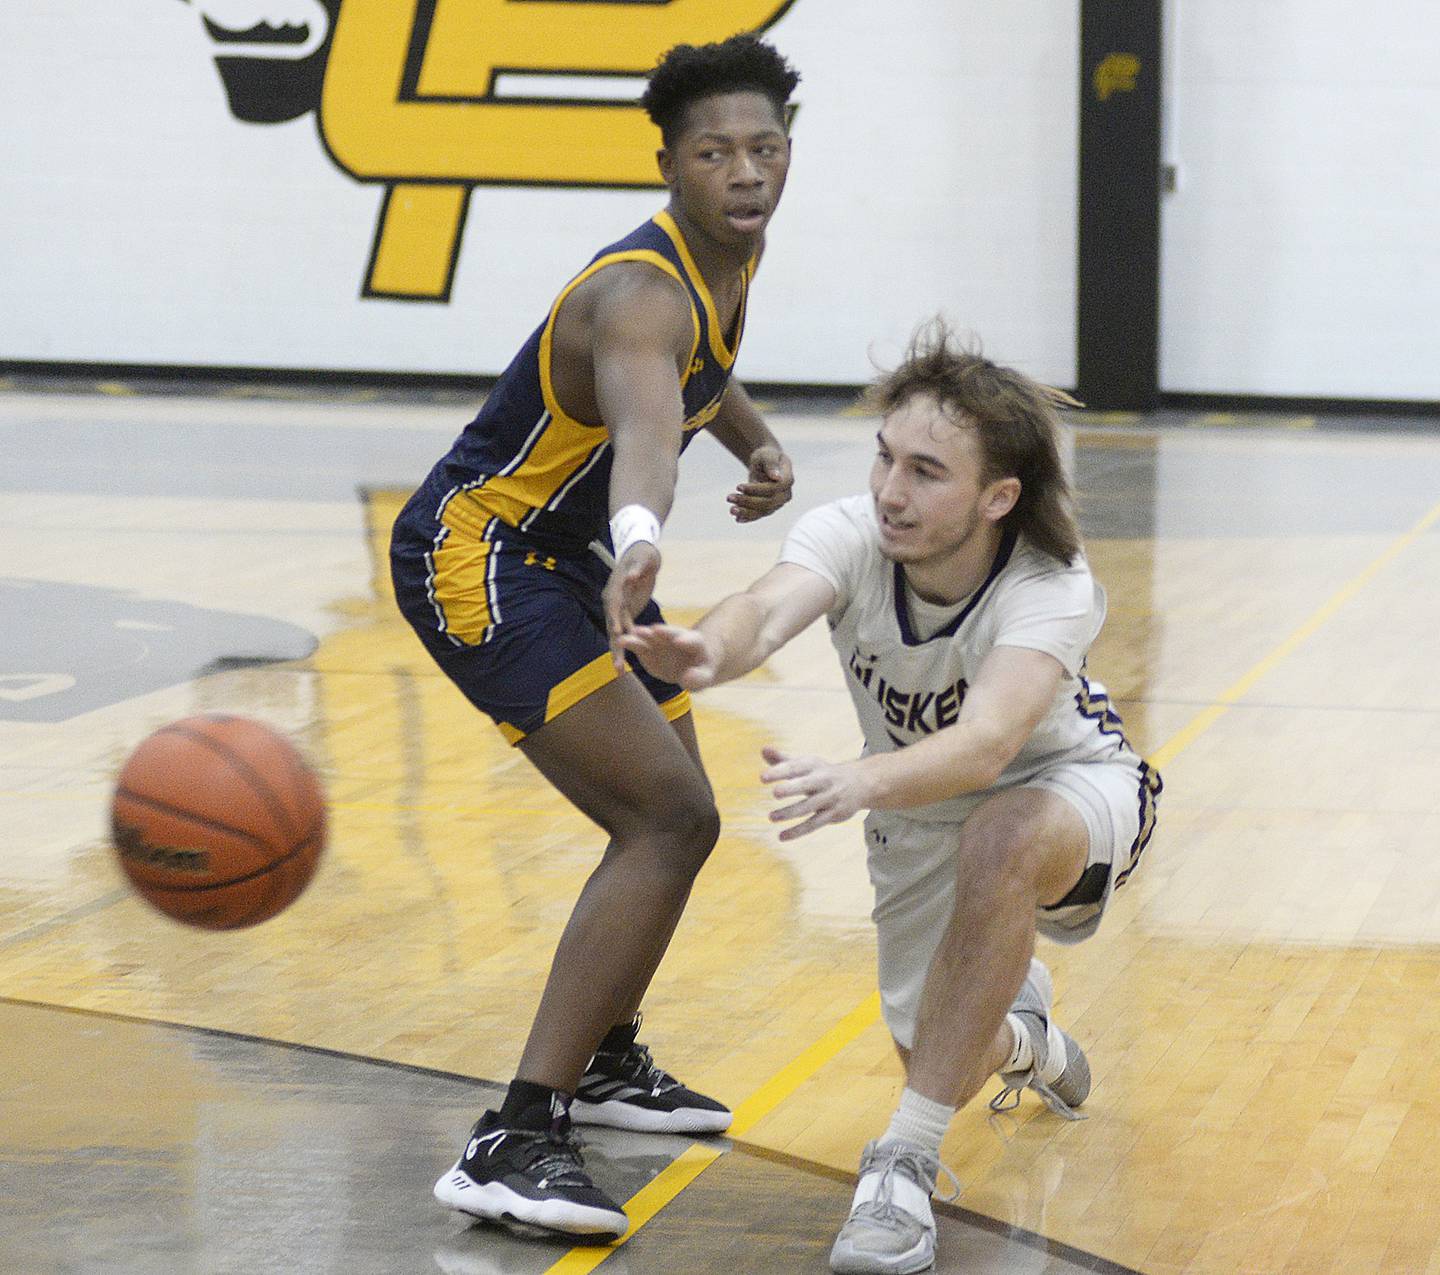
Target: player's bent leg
x: 1017, y: 851
x: 1044, y: 1057
x: 622, y: 1086
x: 653, y: 799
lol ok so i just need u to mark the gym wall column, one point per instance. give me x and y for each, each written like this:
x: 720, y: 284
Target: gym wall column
x: 1117, y: 325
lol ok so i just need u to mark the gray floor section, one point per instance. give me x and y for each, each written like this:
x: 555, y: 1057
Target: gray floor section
x: 259, y: 1158
x: 153, y: 1149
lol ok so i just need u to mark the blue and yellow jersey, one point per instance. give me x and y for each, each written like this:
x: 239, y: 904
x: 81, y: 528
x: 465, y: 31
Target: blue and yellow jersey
x: 524, y: 461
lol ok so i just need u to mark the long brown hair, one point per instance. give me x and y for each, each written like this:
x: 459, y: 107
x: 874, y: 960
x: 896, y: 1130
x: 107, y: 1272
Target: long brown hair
x: 1014, y: 417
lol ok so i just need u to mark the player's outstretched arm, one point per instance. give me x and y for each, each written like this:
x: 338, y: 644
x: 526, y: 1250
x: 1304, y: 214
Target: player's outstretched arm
x: 683, y: 656
x: 1011, y: 693
x: 641, y: 333
x: 739, y: 634
x: 770, y: 479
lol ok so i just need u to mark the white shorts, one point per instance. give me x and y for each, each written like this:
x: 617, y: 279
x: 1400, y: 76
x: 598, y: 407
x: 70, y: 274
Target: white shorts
x: 913, y: 867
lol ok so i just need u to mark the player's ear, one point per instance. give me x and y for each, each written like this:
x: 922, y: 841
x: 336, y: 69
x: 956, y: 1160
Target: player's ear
x: 665, y: 161
x: 1000, y: 498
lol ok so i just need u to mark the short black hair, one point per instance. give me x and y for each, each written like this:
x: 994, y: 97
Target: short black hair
x: 689, y: 72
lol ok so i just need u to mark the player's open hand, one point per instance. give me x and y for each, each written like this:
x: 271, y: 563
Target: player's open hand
x: 632, y: 581
x: 770, y: 485
x: 829, y: 792
x: 673, y: 654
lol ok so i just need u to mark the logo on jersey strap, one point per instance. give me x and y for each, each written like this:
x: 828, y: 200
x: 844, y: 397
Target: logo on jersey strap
x: 431, y: 98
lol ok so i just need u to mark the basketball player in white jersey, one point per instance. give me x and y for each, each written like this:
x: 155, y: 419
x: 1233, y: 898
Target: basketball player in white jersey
x: 1002, y: 796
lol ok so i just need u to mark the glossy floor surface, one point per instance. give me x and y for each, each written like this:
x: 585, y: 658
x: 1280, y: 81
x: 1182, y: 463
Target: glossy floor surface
x: 1257, y: 1007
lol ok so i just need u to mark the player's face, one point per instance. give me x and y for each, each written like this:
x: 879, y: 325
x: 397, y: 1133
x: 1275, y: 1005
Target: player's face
x: 727, y: 168
x: 931, y: 500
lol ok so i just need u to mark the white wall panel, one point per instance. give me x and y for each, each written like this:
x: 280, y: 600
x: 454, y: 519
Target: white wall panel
x: 141, y: 222
x: 1299, y: 251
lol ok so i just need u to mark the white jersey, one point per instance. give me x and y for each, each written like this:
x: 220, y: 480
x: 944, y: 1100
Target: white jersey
x: 906, y: 686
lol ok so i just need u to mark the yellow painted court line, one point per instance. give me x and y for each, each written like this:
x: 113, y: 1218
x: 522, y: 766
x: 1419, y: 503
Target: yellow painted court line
x: 1088, y: 417
x: 1205, y: 719
x: 1251, y: 420
x: 444, y: 808
x: 642, y: 1206
x: 656, y: 1194
x: 795, y: 1073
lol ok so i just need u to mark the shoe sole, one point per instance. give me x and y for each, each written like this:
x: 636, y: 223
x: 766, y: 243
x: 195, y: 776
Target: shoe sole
x: 622, y: 1115
x: 850, y: 1261
x: 1073, y: 1086
x: 496, y: 1202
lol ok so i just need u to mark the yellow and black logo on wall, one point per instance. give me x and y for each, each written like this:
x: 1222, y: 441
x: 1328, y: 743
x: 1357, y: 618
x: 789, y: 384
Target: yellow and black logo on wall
x: 431, y: 98
x: 1116, y: 73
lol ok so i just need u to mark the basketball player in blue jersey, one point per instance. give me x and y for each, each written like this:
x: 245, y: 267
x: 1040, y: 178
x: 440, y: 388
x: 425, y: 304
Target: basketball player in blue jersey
x: 1002, y: 796
x: 533, y: 547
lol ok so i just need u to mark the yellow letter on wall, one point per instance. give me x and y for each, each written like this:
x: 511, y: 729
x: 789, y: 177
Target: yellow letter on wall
x: 409, y: 100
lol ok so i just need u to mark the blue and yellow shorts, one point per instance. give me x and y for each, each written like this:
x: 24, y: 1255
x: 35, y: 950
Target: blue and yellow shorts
x: 520, y: 629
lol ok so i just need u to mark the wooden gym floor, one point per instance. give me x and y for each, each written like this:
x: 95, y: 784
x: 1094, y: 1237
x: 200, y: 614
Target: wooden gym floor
x: 1258, y: 1008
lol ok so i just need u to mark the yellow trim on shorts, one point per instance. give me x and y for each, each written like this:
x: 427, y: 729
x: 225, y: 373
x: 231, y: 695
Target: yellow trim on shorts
x: 582, y: 682
x: 461, y: 587
x: 465, y: 517
x: 586, y: 681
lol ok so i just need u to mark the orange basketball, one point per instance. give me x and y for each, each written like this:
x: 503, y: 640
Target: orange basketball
x: 218, y: 821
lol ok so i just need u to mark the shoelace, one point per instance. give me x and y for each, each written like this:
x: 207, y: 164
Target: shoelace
x: 554, y: 1158
x: 1009, y: 1098
x: 920, y: 1168
x: 636, y: 1065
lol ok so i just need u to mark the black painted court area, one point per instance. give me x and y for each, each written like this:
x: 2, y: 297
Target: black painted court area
x: 135, y: 1148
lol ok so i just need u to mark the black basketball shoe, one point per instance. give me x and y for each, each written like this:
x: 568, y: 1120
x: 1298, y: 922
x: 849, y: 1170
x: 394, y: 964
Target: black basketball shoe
x: 531, y: 1180
x: 623, y: 1088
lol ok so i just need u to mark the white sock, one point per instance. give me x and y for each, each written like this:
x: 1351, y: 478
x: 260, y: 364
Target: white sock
x: 1022, y: 1056
x: 919, y: 1121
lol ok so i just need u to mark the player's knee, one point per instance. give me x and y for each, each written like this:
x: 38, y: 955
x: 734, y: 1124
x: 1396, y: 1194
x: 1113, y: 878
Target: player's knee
x: 679, y: 824
x: 693, y: 828
x: 1002, y: 859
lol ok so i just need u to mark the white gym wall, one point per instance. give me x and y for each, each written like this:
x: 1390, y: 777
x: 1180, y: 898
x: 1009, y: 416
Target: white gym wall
x: 143, y: 223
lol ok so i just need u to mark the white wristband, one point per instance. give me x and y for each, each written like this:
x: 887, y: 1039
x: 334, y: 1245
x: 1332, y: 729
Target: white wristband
x: 630, y: 525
